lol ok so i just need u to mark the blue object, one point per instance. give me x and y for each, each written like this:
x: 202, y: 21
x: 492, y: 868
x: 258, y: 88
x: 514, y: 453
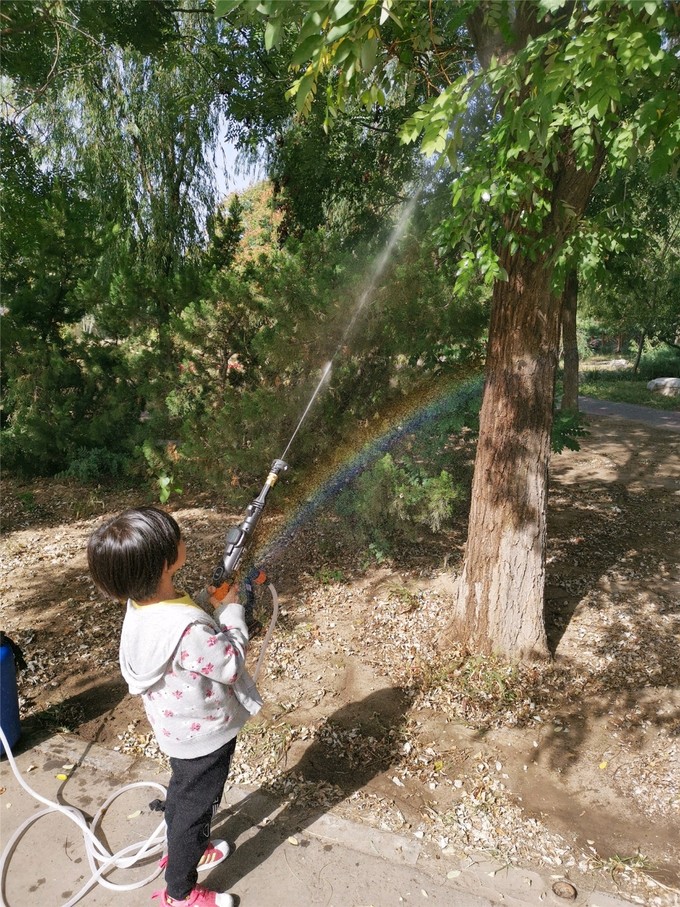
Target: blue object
x: 9, y: 698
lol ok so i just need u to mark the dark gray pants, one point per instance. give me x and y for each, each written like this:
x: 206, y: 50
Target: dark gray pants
x: 193, y: 798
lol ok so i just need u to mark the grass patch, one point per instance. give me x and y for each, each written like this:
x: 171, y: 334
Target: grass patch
x: 600, y: 382
x: 622, y: 387
x: 328, y: 576
x: 617, y: 864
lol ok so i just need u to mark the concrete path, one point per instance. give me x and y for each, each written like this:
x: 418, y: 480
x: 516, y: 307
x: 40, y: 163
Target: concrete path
x: 658, y: 418
x: 329, y: 863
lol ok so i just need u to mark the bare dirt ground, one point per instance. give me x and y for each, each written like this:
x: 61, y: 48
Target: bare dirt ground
x: 572, y: 768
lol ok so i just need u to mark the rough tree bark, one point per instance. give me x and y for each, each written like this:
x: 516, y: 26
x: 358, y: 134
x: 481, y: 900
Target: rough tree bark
x: 569, y: 343
x: 499, y: 598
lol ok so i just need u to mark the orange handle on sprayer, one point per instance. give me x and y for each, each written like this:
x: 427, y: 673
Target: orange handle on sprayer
x: 220, y: 593
x: 256, y: 577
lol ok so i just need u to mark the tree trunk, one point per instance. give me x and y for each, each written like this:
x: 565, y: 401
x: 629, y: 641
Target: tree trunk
x: 498, y: 607
x: 641, y: 346
x: 500, y: 592
x: 570, y: 343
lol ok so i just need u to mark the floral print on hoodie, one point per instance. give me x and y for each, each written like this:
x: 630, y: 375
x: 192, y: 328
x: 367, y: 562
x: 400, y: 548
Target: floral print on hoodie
x: 189, y: 669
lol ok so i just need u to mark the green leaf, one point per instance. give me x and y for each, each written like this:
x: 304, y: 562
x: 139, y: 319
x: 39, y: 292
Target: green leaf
x: 268, y: 8
x: 434, y: 140
x: 345, y: 49
x: 312, y: 24
x: 306, y: 50
x: 224, y: 7
x: 338, y: 31
x: 369, y: 51
x: 164, y: 483
x: 272, y: 34
x: 341, y: 9
x: 305, y: 88
x: 551, y: 6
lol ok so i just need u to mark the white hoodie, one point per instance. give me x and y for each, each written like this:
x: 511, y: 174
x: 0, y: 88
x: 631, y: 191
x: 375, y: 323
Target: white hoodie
x: 189, y: 669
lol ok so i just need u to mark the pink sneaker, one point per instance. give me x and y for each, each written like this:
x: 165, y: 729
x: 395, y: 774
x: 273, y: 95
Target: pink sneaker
x: 199, y: 897
x: 215, y: 852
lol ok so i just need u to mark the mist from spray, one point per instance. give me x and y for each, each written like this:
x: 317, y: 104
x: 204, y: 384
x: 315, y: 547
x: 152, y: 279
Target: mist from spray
x: 376, y: 274
x: 379, y: 267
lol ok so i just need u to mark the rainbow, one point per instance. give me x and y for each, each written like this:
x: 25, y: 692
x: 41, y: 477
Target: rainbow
x: 408, y: 416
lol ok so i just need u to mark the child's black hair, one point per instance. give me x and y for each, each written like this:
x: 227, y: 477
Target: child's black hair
x: 127, y: 554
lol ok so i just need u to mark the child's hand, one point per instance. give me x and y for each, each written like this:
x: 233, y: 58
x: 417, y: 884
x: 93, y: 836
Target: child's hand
x: 232, y: 594
x: 228, y: 599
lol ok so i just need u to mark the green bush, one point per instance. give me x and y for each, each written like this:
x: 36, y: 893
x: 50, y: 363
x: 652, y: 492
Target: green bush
x: 95, y: 464
x: 158, y: 461
x: 389, y: 501
x: 58, y: 407
x: 566, y: 430
x: 659, y: 360
x: 584, y: 349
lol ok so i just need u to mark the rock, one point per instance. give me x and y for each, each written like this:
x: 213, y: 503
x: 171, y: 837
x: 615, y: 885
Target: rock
x: 669, y: 387
x: 565, y: 889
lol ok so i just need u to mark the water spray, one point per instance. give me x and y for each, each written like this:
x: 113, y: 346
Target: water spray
x: 238, y: 537
x: 324, y: 374
x: 378, y: 270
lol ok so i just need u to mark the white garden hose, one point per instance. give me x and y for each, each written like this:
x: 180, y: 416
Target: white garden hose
x: 270, y: 630
x: 101, y: 860
x: 98, y: 856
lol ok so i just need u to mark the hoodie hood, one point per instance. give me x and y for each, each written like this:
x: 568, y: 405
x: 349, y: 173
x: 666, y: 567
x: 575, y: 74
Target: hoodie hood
x: 144, y: 657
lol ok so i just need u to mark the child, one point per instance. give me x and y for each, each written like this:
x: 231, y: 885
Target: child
x: 188, y: 667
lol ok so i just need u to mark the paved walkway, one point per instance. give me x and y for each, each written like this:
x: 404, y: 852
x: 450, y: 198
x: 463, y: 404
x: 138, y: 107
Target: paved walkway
x: 658, y: 418
x: 278, y: 861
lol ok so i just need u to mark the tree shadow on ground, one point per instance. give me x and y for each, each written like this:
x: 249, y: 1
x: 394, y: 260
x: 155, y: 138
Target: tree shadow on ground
x: 588, y: 535
x: 612, y: 524
x: 358, y: 742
